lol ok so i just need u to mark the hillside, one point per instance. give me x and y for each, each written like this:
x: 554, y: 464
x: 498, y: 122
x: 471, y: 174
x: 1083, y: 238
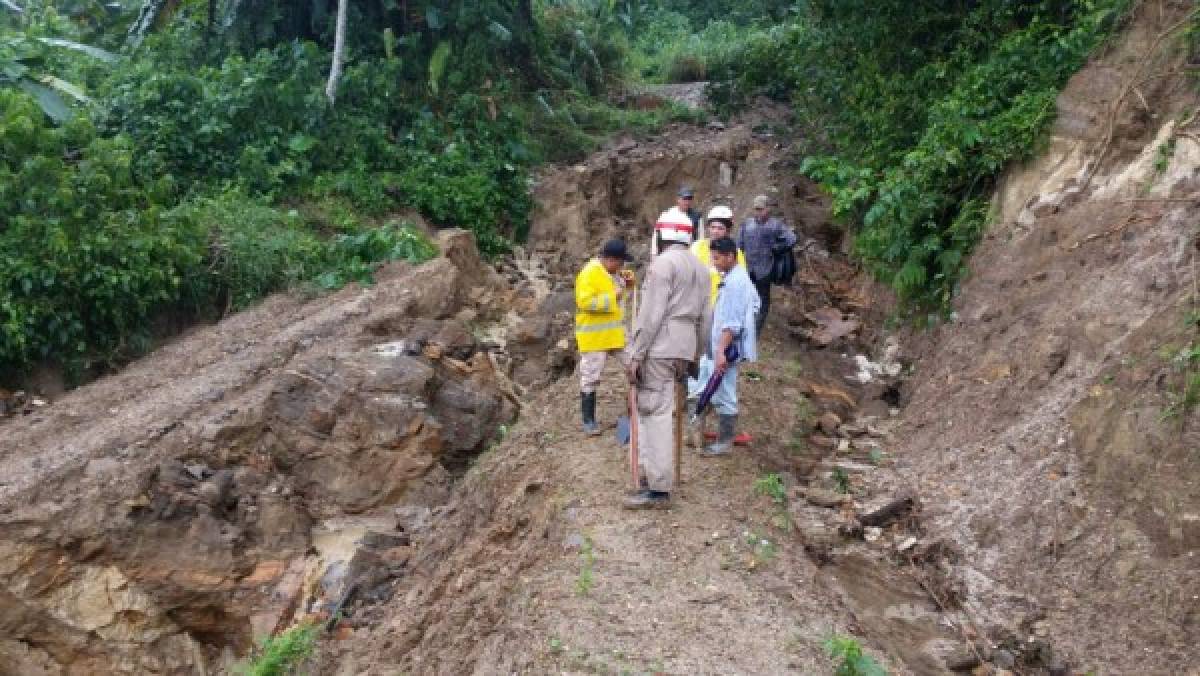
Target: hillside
x: 1008, y: 488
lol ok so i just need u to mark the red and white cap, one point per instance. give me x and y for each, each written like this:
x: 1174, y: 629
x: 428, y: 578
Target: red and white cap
x: 674, y: 226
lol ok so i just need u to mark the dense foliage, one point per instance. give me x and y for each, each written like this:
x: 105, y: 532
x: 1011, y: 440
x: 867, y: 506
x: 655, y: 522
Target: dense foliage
x: 916, y: 108
x: 165, y: 159
x: 91, y: 256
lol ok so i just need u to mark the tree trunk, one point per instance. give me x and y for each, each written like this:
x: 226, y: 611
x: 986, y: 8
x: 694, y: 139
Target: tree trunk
x: 210, y: 23
x: 339, y: 52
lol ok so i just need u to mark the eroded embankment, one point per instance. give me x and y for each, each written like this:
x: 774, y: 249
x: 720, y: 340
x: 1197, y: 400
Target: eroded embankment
x: 161, y: 519
x: 1047, y: 432
x: 283, y: 461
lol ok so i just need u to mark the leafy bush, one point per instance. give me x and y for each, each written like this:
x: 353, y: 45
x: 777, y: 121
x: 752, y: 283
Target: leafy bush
x: 251, y: 122
x: 470, y: 180
x: 585, y: 47
x: 686, y: 68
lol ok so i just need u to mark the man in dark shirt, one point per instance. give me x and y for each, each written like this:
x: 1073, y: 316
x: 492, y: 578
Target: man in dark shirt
x: 760, y: 237
x: 685, y: 199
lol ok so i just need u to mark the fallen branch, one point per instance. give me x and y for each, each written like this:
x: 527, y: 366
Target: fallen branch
x: 1134, y: 200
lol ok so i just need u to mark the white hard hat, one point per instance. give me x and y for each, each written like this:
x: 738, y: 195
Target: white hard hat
x: 720, y: 213
x: 674, y: 226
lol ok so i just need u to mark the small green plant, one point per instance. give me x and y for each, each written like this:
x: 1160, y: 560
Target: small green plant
x: 771, y: 486
x: 798, y: 445
x: 555, y: 645
x: 851, y: 660
x: 281, y: 654
x: 763, y: 549
x: 1162, y: 157
x: 587, y: 561
x: 1182, y: 401
x: 841, y: 480
x: 875, y: 456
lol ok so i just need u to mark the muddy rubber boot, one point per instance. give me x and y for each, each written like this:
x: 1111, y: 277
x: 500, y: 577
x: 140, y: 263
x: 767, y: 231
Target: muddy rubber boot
x: 726, y: 427
x: 587, y: 406
x: 648, y: 499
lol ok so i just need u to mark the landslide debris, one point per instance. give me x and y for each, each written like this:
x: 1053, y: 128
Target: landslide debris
x: 164, y: 518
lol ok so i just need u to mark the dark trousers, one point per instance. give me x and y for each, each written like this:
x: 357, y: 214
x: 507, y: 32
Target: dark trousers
x: 763, y: 286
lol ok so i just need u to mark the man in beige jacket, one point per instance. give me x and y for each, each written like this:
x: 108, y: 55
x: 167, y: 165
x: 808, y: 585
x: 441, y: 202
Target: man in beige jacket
x: 667, y: 335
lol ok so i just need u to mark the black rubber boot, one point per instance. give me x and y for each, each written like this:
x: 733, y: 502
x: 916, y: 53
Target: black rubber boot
x: 648, y: 499
x: 726, y: 430
x: 587, y: 406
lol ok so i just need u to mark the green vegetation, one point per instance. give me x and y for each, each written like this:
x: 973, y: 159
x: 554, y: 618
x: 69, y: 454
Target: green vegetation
x: 851, y: 660
x: 875, y: 456
x: 1186, y: 395
x: 280, y: 655
x: 587, y: 562
x: 174, y: 161
x: 771, y: 485
x: 841, y: 480
x: 177, y: 160
x: 763, y: 550
x: 915, y: 109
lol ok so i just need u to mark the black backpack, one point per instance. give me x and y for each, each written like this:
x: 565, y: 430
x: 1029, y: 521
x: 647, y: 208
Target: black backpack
x: 783, y: 265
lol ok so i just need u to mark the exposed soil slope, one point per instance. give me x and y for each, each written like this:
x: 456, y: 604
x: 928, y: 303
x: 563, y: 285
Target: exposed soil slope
x: 1040, y: 430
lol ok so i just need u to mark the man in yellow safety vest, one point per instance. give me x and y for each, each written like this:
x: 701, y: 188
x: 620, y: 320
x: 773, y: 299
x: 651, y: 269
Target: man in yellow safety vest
x: 599, y: 322
x: 719, y: 224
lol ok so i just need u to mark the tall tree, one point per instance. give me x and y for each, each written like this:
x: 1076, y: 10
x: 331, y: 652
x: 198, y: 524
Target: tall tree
x: 339, y: 52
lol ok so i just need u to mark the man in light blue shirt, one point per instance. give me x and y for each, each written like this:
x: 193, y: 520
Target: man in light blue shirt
x: 733, y: 326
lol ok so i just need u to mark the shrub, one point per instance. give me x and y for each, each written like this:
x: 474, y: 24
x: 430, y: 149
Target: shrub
x: 851, y: 660
x: 684, y: 67
x: 281, y: 654
x: 89, y: 256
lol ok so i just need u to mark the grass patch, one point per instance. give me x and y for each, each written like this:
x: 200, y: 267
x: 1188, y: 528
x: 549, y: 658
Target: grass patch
x: 587, y: 561
x: 280, y: 655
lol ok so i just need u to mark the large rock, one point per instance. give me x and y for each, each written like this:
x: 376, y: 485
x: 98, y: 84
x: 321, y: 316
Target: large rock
x: 360, y: 427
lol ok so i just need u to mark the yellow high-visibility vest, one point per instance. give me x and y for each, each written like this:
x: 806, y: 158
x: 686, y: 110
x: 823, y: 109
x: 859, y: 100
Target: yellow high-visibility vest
x: 701, y: 250
x: 599, y: 321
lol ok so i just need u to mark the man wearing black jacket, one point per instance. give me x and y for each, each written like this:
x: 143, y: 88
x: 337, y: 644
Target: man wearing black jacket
x: 761, y: 237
